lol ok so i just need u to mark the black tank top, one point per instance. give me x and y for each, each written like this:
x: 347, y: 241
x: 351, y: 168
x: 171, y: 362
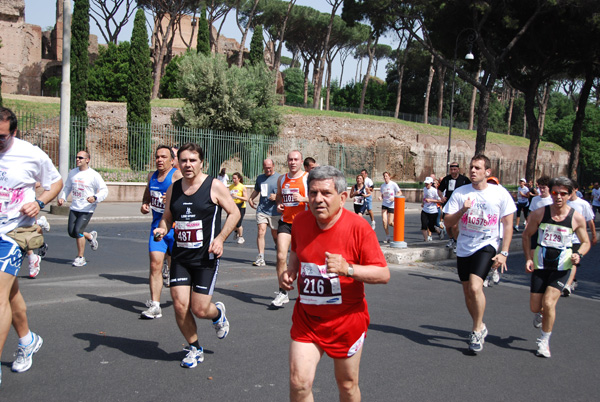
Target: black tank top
x: 197, y: 222
x: 551, y: 255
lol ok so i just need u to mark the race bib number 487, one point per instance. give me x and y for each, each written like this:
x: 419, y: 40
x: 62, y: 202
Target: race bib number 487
x: 318, y: 287
x: 188, y: 234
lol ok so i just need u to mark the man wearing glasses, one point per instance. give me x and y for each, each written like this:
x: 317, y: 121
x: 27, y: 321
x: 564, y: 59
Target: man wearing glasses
x: 551, y: 262
x: 87, y: 189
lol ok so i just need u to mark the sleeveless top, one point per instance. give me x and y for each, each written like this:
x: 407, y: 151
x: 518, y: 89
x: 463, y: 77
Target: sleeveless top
x: 288, y: 188
x: 238, y: 191
x: 197, y: 222
x: 555, y: 240
x: 157, y: 190
x: 360, y: 198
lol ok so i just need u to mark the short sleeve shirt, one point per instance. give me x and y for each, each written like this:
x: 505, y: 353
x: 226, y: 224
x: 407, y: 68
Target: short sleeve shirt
x: 388, y: 191
x: 523, y: 195
x: 538, y: 202
x: 449, y: 184
x: 265, y: 186
x: 596, y: 197
x: 584, y: 208
x: 430, y: 207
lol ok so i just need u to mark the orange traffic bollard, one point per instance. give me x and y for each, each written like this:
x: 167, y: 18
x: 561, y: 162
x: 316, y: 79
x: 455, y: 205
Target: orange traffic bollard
x: 399, y: 204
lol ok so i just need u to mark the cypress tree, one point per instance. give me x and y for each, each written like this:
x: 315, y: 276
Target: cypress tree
x: 139, y: 114
x: 203, y: 45
x: 80, y: 31
x: 256, y: 46
x: 0, y: 80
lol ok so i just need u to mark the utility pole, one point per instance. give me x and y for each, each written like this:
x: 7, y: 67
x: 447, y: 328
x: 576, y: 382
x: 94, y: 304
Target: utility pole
x: 65, y: 94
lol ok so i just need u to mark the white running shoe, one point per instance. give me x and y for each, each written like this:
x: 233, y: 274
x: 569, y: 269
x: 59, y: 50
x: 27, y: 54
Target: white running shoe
x: 543, y: 348
x: 516, y: 228
x: 193, y: 357
x: 486, y: 283
x: 222, y: 325
x: 450, y: 243
x: 429, y: 238
x: 79, y: 262
x: 154, y: 310
x: 241, y: 240
x: 94, y: 240
x: 166, y: 274
x: 43, y: 222
x: 34, y: 266
x: 25, y: 354
x: 496, y: 276
x: 442, y: 233
x: 537, y: 320
x: 477, y: 339
x: 373, y: 224
x: 280, y: 299
x: 260, y: 262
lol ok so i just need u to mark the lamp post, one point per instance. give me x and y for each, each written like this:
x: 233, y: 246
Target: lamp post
x: 470, y: 40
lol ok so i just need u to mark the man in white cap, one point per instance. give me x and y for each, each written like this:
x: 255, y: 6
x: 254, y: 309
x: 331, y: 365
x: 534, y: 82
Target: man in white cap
x: 522, y: 202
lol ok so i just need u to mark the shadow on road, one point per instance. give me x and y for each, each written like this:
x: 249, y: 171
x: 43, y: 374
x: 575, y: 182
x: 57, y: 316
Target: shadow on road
x: 439, y: 278
x: 493, y: 339
x: 132, y: 280
x: 419, y: 337
x: 123, y: 304
x: 250, y: 297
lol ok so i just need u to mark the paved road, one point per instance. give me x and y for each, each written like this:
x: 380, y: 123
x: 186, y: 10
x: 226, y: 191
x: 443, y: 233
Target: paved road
x: 96, y: 348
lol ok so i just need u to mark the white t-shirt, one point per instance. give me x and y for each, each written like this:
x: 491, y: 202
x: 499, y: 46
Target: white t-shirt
x: 596, y: 197
x: 538, y: 202
x: 388, y: 191
x: 224, y: 179
x: 430, y: 207
x: 20, y: 168
x: 522, y: 193
x: 585, y: 209
x: 82, y: 184
x: 369, y: 183
x: 480, y: 225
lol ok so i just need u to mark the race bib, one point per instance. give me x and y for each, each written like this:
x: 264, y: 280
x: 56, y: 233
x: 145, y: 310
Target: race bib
x: 451, y: 184
x: 264, y: 190
x: 78, y: 193
x: 318, y: 287
x: 287, y: 195
x: 188, y: 234
x: 476, y: 221
x: 359, y: 200
x: 5, y: 196
x: 233, y: 193
x: 156, y: 201
x: 556, y: 237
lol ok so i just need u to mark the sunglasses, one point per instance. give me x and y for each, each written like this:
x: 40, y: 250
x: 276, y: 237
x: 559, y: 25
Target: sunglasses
x: 80, y: 157
x: 562, y: 193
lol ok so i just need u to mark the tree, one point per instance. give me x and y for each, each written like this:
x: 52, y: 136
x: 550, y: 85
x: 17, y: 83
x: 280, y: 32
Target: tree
x: 256, y: 46
x: 110, y: 18
x: 293, y: 84
x: 139, y: 114
x: 203, y: 45
x: 109, y: 75
x: 0, y: 80
x: 244, y: 21
x: 169, y: 83
x: 80, y: 28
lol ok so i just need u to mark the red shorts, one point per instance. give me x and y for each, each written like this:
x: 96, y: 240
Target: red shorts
x: 340, y: 337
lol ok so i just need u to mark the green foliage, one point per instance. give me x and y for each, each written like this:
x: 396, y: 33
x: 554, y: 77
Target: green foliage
x: 169, y: 82
x: 203, y: 44
x: 293, y: 84
x: 52, y: 85
x: 376, y: 97
x: 256, y: 46
x: 227, y: 98
x: 109, y: 76
x: 139, y: 114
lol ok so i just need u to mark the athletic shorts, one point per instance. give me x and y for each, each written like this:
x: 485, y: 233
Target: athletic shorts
x: 11, y: 256
x: 78, y: 221
x: 369, y: 203
x: 523, y: 207
x: 340, y: 337
x: 284, y: 227
x: 478, y: 263
x: 541, y: 279
x: 389, y: 209
x: 242, y: 213
x: 360, y: 208
x: 200, y: 275
x: 428, y: 221
x: 271, y: 220
x: 164, y: 245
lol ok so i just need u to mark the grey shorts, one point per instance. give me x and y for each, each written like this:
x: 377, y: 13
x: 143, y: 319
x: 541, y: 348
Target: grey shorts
x: 271, y: 220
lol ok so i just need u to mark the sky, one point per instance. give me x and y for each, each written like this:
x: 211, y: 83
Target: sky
x: 43, y: 12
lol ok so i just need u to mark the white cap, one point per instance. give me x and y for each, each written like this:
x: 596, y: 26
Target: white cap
x: 428, y: 179
x: 522, y: 179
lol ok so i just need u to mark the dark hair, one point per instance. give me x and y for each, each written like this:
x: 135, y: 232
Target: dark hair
x: 162, y: 146
x: 454, y: 164
x: 192, y: 147
x: 543, y: 181
x: 222, y: 172
x: 308, y: 161
x: 238, y: 174
x: 328, y: 173
x: 562, y: 182
x: 575, y: 184
x: 8, y: 115
x: 481, y: 157
x: 364, y: 170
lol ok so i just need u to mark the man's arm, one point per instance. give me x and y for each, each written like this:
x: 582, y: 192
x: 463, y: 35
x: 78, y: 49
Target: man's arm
x: 507, y: 233
x: 31, y: 209
x: 166, y: 222
x: 592, y: 227
x: 145, y: 208
x: 222, y: 198
x: 452, y: 219
x: 374, y: 274
x: 251, y: 199
x: 533, y: 223
x: 286, y: 281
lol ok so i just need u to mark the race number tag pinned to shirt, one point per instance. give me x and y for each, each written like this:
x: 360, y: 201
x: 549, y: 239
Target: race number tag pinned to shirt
x: 477, y: 221
x: 556, y: 237
x: 359, y: 200
x: 188, y: 234
x: 318, y: 287
x: 156, y: 201
x: 288, y: 196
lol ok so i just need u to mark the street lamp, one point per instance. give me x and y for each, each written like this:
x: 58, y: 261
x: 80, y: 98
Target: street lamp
x: 470, y: 40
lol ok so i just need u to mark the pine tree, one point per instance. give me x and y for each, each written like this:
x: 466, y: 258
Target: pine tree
x: 139, y: 115
x: 80, y: 31
x: 203, y: 45
x: 256, y: 46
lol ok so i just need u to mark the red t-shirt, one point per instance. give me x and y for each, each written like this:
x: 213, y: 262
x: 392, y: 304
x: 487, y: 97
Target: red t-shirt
x: 326, y: 295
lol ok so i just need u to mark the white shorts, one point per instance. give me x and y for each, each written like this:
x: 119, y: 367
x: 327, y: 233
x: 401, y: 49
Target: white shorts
x: 271, y: 220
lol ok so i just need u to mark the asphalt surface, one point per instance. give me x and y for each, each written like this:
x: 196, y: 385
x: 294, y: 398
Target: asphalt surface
x: 96, y: 348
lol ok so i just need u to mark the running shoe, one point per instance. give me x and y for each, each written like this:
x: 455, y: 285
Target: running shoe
x: 260, y: 262
x: 373, y: 224
x: 34, y: 266
x: 79, y: 262
x: 566, y: 291
x: 193, y: 357
x: 496, y: 276
x: 429, y: 238
x: 454, y: 248
x: 486, y: 282
x: 42, y: 251
x: 450, y: 243
x: 25, y: 354
x: 280, y: 299
x: 43, y: 222
x: 573, y: 285
x: 442, y: 233
x: 516, y: 228
x: 154, y: 311
x: 543, y: 348
x: 537, y: 320
x: 477, y: 339
x: 166, y: 273
x: 94, y: 240
x: 241, y: 240
x: 222, y: 325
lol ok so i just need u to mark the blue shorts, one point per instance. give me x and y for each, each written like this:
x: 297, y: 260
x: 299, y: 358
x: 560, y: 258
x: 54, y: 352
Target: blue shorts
x: 11, y: 256
x: 166, y: 243
x: 369, y: 203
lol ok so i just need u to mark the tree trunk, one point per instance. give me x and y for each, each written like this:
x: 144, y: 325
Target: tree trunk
x: 533, y: 130
x: 319, y: 80
x: 371, y: 51
x: 543, y: 107
x: 328, y: 94
x: 277, y: 60
x: 428, y: 92
x: 306, y: 72
x: 578, y: 123
x: 474, y: 99
x: 441, y: 70
x: 161, y: 46
x: 482, y: 121
x: 400, y: 67
x: 510, y: 108
x: 240, y: 59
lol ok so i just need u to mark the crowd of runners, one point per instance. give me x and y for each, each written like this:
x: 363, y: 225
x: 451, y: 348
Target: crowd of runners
x: 324, y: 250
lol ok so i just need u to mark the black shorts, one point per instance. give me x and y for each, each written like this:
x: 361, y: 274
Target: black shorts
x: 478, y: 263
x: 78, y: 221
x: 200, y: 275
x: 522, y: 207
x: 284, y: 227
x: 360, y: 208
x: 389, y: 209
x: 242, y: 213
x: 428, y: 221
x: 541, y: 279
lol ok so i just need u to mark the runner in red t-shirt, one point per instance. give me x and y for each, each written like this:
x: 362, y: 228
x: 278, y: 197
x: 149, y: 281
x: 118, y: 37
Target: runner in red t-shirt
x: 334, y: 252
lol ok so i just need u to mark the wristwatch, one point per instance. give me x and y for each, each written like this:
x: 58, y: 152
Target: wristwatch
x: 40, y: 203
x: 350, y: 270
x: 504, y: 253
x: 579, y: 254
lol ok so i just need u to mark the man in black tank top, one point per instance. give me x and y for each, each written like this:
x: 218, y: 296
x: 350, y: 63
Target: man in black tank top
x: 194, y: 204
x: 551, y: 261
